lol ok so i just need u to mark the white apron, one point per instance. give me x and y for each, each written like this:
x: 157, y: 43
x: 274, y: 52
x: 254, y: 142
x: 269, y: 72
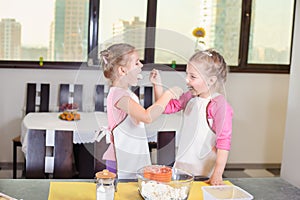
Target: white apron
x: 195, y: 151
x: 131, y: 147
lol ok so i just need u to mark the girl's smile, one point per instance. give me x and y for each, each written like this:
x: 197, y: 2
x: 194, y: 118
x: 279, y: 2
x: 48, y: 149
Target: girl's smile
x: 196, y: 81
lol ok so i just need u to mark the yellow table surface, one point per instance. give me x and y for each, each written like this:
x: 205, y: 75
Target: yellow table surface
x: 72, y: 191
x: 125, y: 191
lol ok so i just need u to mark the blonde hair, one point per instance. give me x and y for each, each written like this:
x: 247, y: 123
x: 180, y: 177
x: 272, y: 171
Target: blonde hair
x: 211, y: 63
x: 114, y: 56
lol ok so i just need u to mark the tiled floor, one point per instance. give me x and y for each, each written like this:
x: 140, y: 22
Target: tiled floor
x: 9, y: 173
x: 244, y: 173
x: 6, y: 170
x: 232, y: 172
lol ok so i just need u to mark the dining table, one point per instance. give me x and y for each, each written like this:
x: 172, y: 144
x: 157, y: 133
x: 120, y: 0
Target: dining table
x: 89, y: 129
x: 84, y: 130
x: 274, y: 188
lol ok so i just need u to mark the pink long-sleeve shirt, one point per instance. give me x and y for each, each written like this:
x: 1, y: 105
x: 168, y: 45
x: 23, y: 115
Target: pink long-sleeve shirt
x: 219, y: 116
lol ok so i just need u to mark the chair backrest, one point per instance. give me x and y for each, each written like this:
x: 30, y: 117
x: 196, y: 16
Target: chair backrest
x: 49, y: 154
x: 99, y: 98
x: 145, y: 95
x: 37, y: 99
x: 70, y: 93
x: 166, y: 147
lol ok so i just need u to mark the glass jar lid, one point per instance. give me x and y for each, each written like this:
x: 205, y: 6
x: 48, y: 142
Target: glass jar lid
x: 105, y: 174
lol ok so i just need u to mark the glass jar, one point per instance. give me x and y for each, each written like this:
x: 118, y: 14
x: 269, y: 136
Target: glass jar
x: 105, y: 185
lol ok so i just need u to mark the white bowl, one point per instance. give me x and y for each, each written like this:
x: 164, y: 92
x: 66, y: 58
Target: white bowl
x: 225, y: 192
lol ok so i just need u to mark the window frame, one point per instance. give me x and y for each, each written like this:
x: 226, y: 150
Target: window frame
x: 93, y: 24
x: 243, y: 65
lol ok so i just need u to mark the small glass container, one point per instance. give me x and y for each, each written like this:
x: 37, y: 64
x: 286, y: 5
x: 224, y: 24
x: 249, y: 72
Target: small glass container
x: 105, y: 185
x: 173, y: 64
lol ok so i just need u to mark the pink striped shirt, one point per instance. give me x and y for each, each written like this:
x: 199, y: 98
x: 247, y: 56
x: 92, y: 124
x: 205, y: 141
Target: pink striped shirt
x: 218, y: 110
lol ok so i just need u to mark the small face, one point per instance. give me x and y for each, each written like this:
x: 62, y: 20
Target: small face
x: 196, y: 81
x: 134, y: 67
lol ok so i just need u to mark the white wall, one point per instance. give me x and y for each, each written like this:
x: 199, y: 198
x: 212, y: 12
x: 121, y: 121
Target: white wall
x: 291, y: 161
x: 259, y: 102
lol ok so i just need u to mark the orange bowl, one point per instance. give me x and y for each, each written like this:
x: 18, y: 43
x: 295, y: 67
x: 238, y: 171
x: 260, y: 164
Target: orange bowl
x: 158, y: 173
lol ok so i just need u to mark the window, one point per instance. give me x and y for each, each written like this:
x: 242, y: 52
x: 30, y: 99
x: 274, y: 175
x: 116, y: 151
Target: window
x: 270, y: 32
x: 220, y: 19
x: 252, y: 35
x: 128, y: 25
x: 266, y: 36
x: 56, y: 31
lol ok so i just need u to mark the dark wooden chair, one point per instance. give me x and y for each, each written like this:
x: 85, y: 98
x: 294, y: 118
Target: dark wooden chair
x: 99, y: 98
x: 69, y: 93
x: 33, y: 93
x: 32, y: 105
x: 146, y: 97
x: 136, y: 90
x: 38, y: 153
x: 16, y: 143
x: 90, y: 157
x: 73, y: 93
x: 166, y: 148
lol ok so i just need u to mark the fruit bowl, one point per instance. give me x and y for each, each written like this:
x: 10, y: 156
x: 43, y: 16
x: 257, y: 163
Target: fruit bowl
x: 69, y: 112
x: 159, y: 182
x: 69, y: 115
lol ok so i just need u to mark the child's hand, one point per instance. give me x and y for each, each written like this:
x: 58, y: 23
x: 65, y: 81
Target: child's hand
x: 215, y: 181
x: 155, y: 77
x: 176, y: 92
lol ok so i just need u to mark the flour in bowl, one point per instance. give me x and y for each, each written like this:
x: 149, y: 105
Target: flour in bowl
x: 158, y: 191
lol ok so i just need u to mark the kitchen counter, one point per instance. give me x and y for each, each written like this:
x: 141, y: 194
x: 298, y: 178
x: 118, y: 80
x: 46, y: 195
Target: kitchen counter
x: 268, y: 188
x: 273, y: 188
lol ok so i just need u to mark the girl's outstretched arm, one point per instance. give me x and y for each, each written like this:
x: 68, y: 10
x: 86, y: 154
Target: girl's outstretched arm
x: 140, y: 114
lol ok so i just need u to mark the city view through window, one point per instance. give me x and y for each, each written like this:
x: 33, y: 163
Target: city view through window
x: 58, y: 30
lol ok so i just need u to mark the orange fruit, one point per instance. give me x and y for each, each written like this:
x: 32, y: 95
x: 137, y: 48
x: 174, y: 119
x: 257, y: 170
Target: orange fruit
x: 69, y: 117
x: 76, y: 116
